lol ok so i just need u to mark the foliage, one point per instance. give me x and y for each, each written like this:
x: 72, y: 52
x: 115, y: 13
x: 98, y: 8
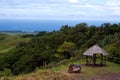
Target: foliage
x: 59, y: 72
x: 66, y: 49
x: 42, y: 33
x: 47, y: 47
x: 5, y: 72
x: 8, y: 41
x: 27, y: 35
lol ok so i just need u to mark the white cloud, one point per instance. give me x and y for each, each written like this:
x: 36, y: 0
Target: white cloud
x: 112, y: 3
x: 73, y: 1
x: 64, y: 9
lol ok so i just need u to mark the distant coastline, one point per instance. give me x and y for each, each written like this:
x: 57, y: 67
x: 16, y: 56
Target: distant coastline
x: 18, y: 32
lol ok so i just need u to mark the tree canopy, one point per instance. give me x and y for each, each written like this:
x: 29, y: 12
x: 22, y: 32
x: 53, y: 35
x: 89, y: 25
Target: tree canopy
x: 43, y: 47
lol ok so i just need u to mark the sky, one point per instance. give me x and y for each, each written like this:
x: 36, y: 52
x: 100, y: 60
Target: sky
x: 60, y: 9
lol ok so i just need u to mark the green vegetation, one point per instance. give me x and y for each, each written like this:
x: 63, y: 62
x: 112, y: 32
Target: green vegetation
x: 23, y: 54
x: 61, y: 72
x: 66, y: 49
x: 7, y: 42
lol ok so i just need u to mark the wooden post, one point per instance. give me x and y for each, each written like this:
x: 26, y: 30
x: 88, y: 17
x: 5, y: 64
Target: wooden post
x: 87, y: 60
x: 45, y: 63
x: 101, y: 59
x: 94, y: 59
x: 104, y: 60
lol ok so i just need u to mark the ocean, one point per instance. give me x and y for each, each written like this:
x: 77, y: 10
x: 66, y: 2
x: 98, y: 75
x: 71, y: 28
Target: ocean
x: 42, y: 25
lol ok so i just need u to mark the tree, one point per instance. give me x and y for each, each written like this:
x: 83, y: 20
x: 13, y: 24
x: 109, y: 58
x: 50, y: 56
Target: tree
x: 42, y: 33
x: 66, y: 49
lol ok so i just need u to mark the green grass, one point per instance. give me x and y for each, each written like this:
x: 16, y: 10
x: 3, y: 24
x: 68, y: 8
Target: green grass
x: 10, y: 41
x: 61, y: 69
x: 89, y: 70
x: 5, y: 50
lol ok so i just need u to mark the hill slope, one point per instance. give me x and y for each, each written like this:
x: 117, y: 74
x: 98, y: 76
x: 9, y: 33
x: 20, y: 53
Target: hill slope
x: 109, y: 72
x: 8, y: 42
x: 69, y: 42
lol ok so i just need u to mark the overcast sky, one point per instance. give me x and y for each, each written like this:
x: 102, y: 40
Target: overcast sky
x: 60, y: 9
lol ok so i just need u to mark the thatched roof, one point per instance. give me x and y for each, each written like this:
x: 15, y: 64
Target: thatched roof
x: 95, y: 50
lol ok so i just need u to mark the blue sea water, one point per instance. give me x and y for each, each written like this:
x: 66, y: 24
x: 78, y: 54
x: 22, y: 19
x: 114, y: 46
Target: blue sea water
x: 42, y: 25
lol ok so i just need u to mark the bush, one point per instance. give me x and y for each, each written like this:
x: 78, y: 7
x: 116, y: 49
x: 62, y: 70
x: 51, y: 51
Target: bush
x: 6, y: 72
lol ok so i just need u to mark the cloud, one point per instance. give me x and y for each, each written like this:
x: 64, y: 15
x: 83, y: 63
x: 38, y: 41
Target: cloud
x: 112, y: 3
x: 62, y: 9
x: 73, y: 1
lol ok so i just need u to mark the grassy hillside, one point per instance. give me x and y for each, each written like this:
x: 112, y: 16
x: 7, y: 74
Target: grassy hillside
x: 87, y: 72
x: 56, y: 49
x: 8, y: 42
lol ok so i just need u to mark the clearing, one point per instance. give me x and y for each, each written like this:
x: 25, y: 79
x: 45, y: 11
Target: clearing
x: 109, y: 72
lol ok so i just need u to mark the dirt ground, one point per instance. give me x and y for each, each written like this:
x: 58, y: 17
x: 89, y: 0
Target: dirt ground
x: 108, y: 76
x: 75, y: 76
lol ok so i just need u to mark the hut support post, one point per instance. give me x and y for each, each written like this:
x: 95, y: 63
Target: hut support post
x: 101, y: 59
x: 45, y: 63
x: 87, y: 60
x: 104, y: 60
x: 94, y: 59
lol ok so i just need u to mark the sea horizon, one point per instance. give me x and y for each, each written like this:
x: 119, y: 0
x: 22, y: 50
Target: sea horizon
x: 44, y: 25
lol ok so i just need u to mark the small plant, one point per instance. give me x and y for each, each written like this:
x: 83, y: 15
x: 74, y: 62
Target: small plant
x: 5, y: 72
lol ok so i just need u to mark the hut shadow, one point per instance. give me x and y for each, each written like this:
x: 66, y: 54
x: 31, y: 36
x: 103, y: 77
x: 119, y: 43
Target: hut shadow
x: 94, y: 65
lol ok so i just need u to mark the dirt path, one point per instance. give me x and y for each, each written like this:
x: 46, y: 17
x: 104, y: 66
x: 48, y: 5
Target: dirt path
x: 108, y: 76
x: 72, y: 76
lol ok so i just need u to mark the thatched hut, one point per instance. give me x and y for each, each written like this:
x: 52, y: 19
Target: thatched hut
x: 92, y: 52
